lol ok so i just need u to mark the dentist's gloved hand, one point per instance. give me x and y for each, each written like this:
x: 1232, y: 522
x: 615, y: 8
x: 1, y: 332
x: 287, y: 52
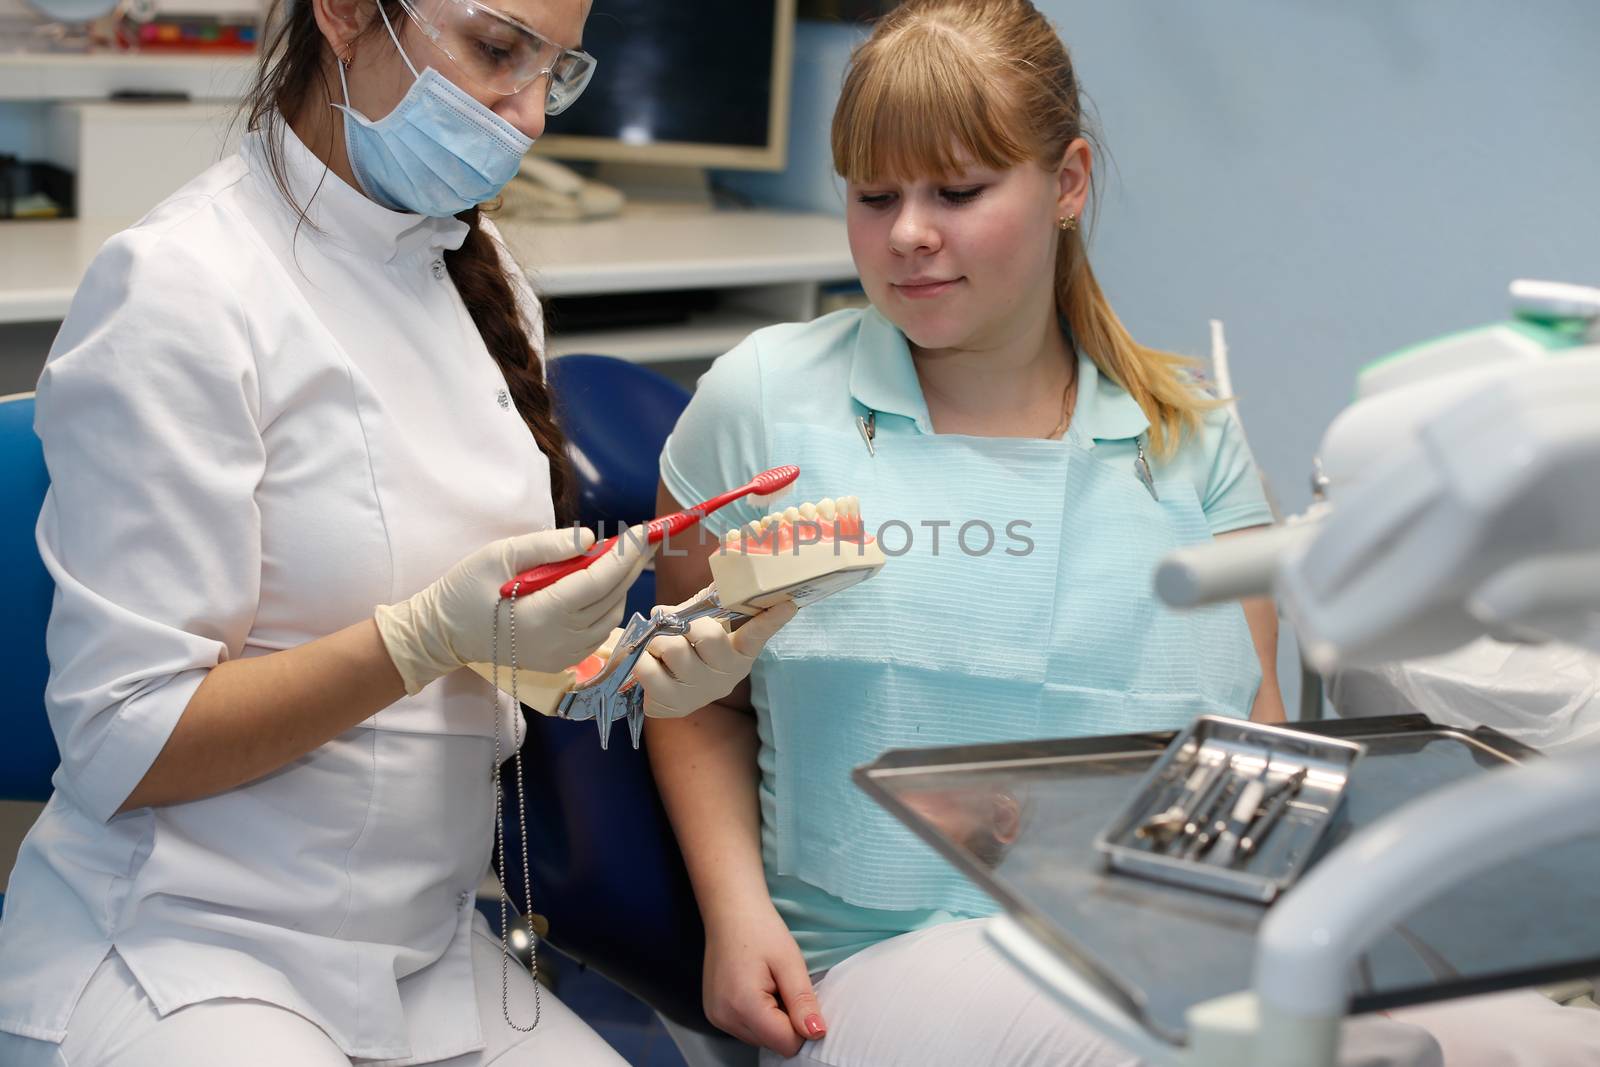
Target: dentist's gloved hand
x: 681, y: 675
x: 451, y: 622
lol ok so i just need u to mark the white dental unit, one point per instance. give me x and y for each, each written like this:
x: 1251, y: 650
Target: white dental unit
x: 1458, y: 496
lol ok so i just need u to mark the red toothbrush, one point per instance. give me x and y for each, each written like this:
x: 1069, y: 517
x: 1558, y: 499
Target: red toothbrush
x: 767, y: 483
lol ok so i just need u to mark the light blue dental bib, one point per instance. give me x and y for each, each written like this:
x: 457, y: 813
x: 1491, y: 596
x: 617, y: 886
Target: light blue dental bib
x: 945, y: 647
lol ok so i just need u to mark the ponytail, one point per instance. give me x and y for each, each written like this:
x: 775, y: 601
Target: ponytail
x: 1159, y: 381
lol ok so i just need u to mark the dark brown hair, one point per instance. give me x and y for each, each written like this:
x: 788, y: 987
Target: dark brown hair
x: 292, y: 73
x: 990, y: 80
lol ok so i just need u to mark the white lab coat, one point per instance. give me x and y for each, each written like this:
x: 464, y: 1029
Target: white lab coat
x: 256, y: 432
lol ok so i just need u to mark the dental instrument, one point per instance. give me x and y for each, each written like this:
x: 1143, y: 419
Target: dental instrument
x: 1206, y: 828
x: 1162, y: 827
x: 765, y: 486
x: 1201, y: 815
x: 1238, y: 821
x: 1272, y: 810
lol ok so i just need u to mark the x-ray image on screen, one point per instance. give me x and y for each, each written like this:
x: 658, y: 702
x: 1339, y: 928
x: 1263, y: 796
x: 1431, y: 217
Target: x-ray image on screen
x: 697, y: 72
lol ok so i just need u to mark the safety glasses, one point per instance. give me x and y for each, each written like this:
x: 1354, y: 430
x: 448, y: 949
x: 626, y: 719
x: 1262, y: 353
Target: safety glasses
x: 501, y: 54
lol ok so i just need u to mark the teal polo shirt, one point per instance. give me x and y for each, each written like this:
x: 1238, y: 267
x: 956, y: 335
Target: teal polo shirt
x: 830, y: 373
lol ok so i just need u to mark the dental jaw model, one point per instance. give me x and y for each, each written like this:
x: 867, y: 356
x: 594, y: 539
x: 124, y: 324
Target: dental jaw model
x: 803, y: 553
x: 542, y: 691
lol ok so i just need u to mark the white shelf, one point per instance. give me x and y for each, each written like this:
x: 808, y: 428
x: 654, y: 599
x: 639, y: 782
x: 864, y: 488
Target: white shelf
x: 34, y: 76
x: 41, y: 262
x: 703, y: 336
x: 641, y: 251
x: 763, y: 267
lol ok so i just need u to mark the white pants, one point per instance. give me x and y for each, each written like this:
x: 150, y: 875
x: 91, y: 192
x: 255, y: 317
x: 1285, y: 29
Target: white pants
x: 945, y: 996
x: 115, y: 1025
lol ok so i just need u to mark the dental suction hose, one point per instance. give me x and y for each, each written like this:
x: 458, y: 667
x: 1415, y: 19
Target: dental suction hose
x: 1228, y: 568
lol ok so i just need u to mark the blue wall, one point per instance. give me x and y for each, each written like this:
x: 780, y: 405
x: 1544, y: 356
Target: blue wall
x: 1335, y: 181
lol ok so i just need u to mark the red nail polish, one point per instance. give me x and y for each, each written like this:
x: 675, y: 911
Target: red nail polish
x: 814, y: 1025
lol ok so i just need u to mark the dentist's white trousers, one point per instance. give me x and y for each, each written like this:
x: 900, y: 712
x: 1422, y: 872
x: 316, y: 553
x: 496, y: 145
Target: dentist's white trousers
x: 115, y: 1025
x: 944, y: 997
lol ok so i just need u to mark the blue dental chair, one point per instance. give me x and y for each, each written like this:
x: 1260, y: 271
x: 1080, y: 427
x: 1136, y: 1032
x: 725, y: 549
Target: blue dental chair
x: 28, y: 758
x: 605, y: 867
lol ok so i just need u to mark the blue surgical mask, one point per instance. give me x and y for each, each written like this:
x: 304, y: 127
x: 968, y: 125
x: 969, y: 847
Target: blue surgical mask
x: 438, y: 152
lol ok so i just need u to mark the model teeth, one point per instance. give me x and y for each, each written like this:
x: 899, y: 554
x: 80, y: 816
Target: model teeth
x: 828, y: 509
x: 788, y: 527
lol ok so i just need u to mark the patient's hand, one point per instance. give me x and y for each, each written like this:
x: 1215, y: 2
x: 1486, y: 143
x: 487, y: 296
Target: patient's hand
x: 681, y: 675
x: 756, y: 984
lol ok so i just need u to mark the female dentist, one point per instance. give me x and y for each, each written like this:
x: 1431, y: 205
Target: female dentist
x: 308, y: 383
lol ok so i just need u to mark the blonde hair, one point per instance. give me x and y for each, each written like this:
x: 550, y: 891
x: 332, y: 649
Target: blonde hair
x: 941, y: 83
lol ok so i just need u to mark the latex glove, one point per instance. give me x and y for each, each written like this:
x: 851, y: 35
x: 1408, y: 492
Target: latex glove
x: 451, y: 622
x: 681, y: 675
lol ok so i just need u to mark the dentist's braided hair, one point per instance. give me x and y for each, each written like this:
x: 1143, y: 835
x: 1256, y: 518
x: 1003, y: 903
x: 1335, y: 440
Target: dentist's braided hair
x: 294, y: 71
x: 990, y: 79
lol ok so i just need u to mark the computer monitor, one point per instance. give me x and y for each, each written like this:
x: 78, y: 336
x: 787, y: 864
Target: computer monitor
x: 703, y: 83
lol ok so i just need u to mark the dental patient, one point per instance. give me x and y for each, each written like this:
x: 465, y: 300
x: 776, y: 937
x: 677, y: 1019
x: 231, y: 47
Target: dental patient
x: 1023, y: 464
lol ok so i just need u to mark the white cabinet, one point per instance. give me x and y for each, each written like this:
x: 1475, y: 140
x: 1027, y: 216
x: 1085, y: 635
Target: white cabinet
x: 128, y: 157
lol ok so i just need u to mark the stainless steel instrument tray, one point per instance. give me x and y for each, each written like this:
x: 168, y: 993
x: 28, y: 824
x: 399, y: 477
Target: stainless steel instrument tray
x: 1158, y: 950
x: 1236, y: 749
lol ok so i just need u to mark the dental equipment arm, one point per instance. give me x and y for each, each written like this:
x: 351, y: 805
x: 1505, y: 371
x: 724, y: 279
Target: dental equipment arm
x: 1458, y: 499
